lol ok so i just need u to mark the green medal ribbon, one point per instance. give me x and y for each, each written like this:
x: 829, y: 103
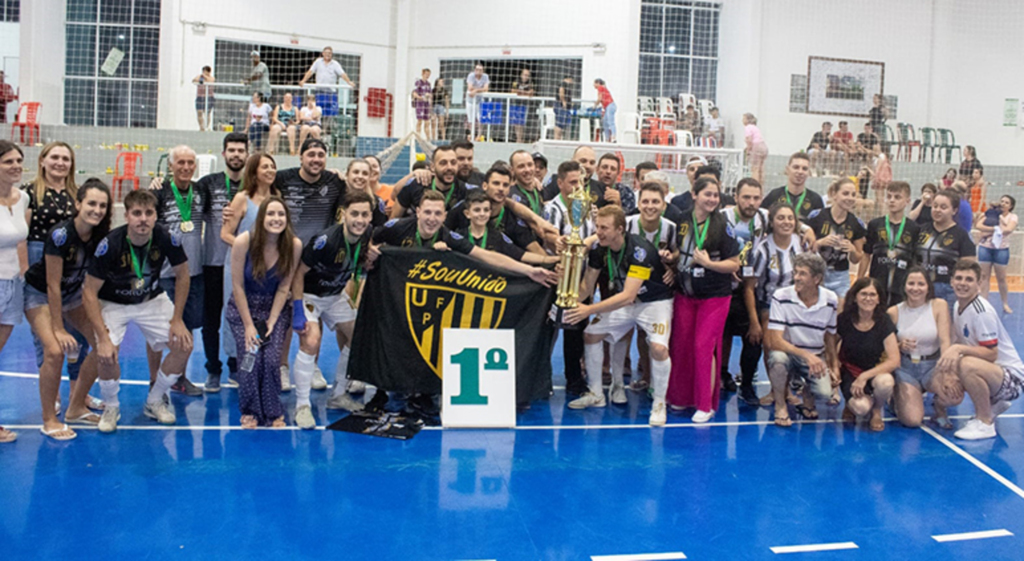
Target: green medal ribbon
x: 136, y: 266
x: 618, y: 262
x: 799, y: 202
x: 700, y: 235
x: 448, y: 197
x: 498, y: 219
x: 355, y: 261
x: 184, y: 205
x: 419, y: 240
x: 750, y: 225
x: 899, y: 234
x: 227, y: 186
x: 534, y: 201
x: 483, y: 240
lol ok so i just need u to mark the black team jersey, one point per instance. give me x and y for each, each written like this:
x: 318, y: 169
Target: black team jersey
x: 63, y: 241
x: 811, y: 200
x: 938, y: 252
x: 893, y: 249
x: 505, y: 222
x: 313, y: 206
x: 638, y: 258
x: 495, y: 241
x: 410, y: 195
x: 332, y: 260
x: 113, y: 264
x: 404, y: 233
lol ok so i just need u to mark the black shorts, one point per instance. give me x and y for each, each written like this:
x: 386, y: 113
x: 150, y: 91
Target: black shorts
x: 203, y: 104
x: 737, y: 323
x: 846, y: 379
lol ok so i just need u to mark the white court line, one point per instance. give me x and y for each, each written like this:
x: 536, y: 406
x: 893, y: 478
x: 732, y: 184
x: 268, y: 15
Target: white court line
x: 977, y: 463
x: 972, y: 536
x: 65, y: 378
x: 813, y: 547
x: 640, y: 557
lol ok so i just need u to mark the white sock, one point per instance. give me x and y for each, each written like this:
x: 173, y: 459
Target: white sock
x: 162, y: 386
x: 618, y: 359
x: 593, y: 358
x: 660, y: 370
x: 109, y: 390
x: 341, y: 373
x: 303, y: 373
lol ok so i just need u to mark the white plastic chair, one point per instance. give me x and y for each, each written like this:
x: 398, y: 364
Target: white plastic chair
x: 205, y: 165
x: 683, y: 138
x: 630, y: 131
x: 547, y: 121
x: 645, y: 105
x: 705, y: 107
x: 687, y: 99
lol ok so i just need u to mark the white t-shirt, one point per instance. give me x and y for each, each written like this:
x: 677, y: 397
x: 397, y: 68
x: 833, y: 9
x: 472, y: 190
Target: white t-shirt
x: 471, y: 81
x: 978, y: 325
x: 262, y: 111
x: 13, y: 230
x: 327, y: 73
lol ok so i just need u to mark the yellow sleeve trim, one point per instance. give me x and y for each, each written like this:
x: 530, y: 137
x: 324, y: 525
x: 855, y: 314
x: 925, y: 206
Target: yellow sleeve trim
x: 638, y: 272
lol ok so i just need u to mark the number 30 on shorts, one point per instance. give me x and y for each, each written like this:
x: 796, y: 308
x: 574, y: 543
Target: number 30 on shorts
x: 659, y: 328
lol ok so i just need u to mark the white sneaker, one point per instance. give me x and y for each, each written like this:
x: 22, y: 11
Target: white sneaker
x: 1000, y: 407
x: 286, y: 382
x: 618, y: 395
x: 355, y: 387
x: 344, y: 402
x: 658, y: 414
x: 975, y: 429
x: 588, y: 400
x: 159, y: 411
x: 318, y: 382
x: 109, y: 419
x: 703, y: 416
x: 304, y: 417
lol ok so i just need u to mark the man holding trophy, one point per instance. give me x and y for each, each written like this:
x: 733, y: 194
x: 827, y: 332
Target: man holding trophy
x: 639, y: 295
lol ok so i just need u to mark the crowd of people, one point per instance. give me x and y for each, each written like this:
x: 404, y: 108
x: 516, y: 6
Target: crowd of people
x: 254, y: 255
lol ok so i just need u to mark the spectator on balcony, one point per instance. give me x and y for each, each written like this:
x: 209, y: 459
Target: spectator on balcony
x: 421, y: 97
x: 476, y: 83
x: 328, y: 71
x: 757, y: 150
x: 284, y: 120
x: 604, y: 99
x: 868, y: 145
x: 309, y: 120
x: 820, y: 149
x: 877, y: 116
x: 258, y: 124
x: 978, y: 190
x: 714, y: 128
x: 844, y: 147
x: 690, y: 121
x: 969, y: 163
x: 204, y: 98
x: 259, y: 76
x: 949, y: 178
x: 442, y: 100
x: 563, y: 108
x: 523, y: 87
x: 964, y: 215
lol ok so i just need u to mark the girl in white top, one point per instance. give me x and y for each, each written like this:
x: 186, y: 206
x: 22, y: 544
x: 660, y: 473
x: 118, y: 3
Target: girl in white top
x: 994, y: 249
x: 922, y: 331
x: 13, y: 246
x: 259, y: 121
x: 309, y: 119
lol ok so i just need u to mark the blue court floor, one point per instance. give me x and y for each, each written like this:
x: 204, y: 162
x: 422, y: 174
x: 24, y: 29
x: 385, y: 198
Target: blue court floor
x: 565, y: 485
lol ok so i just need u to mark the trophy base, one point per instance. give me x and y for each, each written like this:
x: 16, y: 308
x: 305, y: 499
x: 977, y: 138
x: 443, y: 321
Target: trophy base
x: 556, y: 317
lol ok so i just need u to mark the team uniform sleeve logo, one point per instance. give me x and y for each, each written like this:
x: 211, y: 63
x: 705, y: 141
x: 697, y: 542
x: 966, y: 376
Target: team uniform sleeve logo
x: 517, y: 198
x: 730, y: 231
x: 175, y: 239
x: 640, y: 254
x: 455, y: 235
x: 391, y: 223
x: 60, y: 235
x: 814, y: 212
x: 381, y: 205
x: 102, y: 249
x: 320, y: 242
x: 506, y: 238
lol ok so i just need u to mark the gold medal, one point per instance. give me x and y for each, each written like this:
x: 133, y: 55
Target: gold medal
x: 892, y: 254
x: 187, y: 226
x: 139, y: 284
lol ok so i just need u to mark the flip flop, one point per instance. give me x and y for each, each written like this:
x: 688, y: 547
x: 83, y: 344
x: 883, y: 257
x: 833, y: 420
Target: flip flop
x: 53, y: 433
x: 7, y: 436
x: 876, y: 425
x: 806, y: 412
x: 84, y: 419
x: 784, y: 422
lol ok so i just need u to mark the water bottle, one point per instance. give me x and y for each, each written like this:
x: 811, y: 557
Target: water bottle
x: 248, y: 361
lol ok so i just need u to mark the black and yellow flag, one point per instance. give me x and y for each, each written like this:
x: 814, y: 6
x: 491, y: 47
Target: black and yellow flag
x: 412, y: 295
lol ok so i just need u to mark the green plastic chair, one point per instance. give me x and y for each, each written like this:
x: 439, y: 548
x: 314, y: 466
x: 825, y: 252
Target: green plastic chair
x: 948, y: 143
x: 927, y: 144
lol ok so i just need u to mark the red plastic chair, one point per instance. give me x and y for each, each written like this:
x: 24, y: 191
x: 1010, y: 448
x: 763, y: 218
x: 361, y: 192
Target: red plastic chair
x: 31, y: 112
x: 127, y: 163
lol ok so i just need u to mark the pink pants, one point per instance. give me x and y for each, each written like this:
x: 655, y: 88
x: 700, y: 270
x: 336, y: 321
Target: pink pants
x: 697, y: 326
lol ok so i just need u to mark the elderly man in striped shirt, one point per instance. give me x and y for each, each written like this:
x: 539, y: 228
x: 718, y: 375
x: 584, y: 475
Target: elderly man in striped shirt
x: 802, y: 337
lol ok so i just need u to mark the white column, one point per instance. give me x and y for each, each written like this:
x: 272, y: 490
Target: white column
x: 42, y: 58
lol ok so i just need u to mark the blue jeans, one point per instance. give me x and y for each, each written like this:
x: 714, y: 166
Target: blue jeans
x: 35, y: 255
x: 837, y: 281
x: 608, y: 122
x: 945, y: 291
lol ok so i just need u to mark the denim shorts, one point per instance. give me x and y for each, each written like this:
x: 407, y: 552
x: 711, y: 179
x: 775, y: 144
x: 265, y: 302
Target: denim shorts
x: 945, y: 291
x: 837, y: 281
x: 797, y: 368
x: 918, y: 374
x: 997, y: 256
x: 34, y: 299
x: 12, y: 301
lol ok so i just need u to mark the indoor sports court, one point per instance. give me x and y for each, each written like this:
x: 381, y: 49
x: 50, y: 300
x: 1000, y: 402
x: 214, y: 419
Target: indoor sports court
x: 125, y: 82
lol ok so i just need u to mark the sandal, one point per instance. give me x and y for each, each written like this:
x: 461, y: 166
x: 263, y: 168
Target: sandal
x: 278, y: 423
x: 767, y: 400
x: 89, y: 418
x: 849, y: 416
x: 7, y: 435
x: 63, y: 433
x: 834, y: 400
x: 807, y: 412
x: 784, y: 421
x: 94, y: 403
x: 876, y: 424
x: 248, y: 422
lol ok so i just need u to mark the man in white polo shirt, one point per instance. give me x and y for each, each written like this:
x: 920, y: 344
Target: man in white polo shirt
x: 982, y: 357
x: 802, y: 336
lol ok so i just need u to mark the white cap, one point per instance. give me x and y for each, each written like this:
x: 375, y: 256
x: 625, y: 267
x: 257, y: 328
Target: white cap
x: 700, y: 159
x: 254, y: 53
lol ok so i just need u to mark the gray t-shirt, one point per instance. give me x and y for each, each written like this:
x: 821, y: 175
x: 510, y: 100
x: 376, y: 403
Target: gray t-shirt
x: 215, y: 199
x: 262, y: 82
x: 169, y: 216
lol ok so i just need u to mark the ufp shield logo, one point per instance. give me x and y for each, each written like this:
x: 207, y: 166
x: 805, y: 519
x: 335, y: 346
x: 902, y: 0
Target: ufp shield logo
x: 429, y: 309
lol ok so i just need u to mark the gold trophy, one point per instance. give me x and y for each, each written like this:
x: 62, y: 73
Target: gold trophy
x: 573, y: 257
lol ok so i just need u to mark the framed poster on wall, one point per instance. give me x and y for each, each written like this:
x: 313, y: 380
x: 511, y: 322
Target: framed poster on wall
x: 837, y: 86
